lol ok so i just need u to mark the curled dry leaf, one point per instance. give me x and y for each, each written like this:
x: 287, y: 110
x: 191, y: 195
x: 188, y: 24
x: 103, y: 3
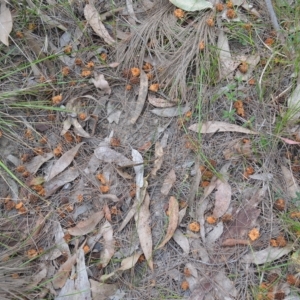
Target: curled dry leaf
x: 100, y: 83
x: 173, y: 220
x: 168, y: 182
x: 111, y: 156
x: 159, y: 102
x: 214, y: 126
x: 33, y: 166
x: 88, y: 225
x: 142, y: 221
x: 63, y: 162
x: 143, y: 91
x: 109, y: 242
x: 139, y: 168
x: 92, y: 16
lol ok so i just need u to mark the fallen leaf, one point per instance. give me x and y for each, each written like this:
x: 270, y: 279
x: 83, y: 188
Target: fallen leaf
x: 222, y: 198
x: 171, y: 111
x: 173, y: 220
x: 78, y: 128
x: 63, y: 162
x: 85, y: 227
x: 114, y: 65
x: 143, y: 92
x: 126, y: 263
x: 92, y: 16
x: 159, y: 102
x: 225, y: 288
x: 100, y: 83
x: 168, y: 182
x: 289, y: 142
x: 294, y: 105
x: 234, y: 242
x: 53, y: 185
x: 182, y: 241
x: 159, y: 152
x: 262, y: 176
x: 266, y: 255
x: 139, y: 169
x: 192, y: 5
x: 113, y: 114
x: 215, y: 126
x: 109, y: 242
x: 111, y: 156
x: 291, y: 183
x: 142, y: 221
x: 38, y: 277
x: 63, y: 272
x: 140, y: 196
x: 102, y: 291
x: 107, y: 213
x: 33, y: 166
x: 214, y: 234
x: 251, y: 61
x: 227, y: 64
x: 6, y: 23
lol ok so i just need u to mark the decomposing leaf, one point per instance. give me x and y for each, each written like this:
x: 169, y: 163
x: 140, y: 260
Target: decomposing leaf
x: 143, y: 91
x: 63, y: 162
x: 78, y: 128
x: 6, y: 22
x: 168, y: 182
x: 170, y: 112
x: 173, y: 220
x: 34, y: 165
x: 100, y: 83
x: 139, y: 168
x: 192, y: 5
x: 215, y: 126
x: 88, y: 225
x: 109, y: 242
x: 160, y: 102
x: 225, y: 288
x: 62, y: 274
x: 53, y: 185
x: 113, y: 114
x: 251, y: 61
x: 111, y: 156
x: 107, y: 213
x: 223, y: 198
x: 266, y: 255
x: 142, y: 221
x: 214, y: 234
x: 237, y: 148
x: 92, y: 16
x: 159, y: 152
x: 182, y: 241
x: 291, y: 183
x: 102, y: 291
x: 126, y: 263
x: 227, y: 64
x: 289, y: 142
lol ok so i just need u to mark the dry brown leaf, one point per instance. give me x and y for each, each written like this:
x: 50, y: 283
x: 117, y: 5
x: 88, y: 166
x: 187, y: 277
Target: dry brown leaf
x: 34, y: 165
x: 107, y: 213
x: 6, y: 23
x: 168, y: 182
x: 102, y: 291
x: 143, y: 92
x: 109, y: 244
x: 182, y: 241
x: 173, y: 220
x: 62, y: 274
x: 234, y: 242
x: 159, y: 152
x: 142, y: 221
x: 214, y: 126
x: 171, y: 112
x: 100, y: 83
x: 223, y: 198
x: 63, y: 162
x: 291, y: 183
x: 159, y: 102
x: 88, y: 225
x: 139, y: 168
x: 111, y: 156
x: 92, y: 16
